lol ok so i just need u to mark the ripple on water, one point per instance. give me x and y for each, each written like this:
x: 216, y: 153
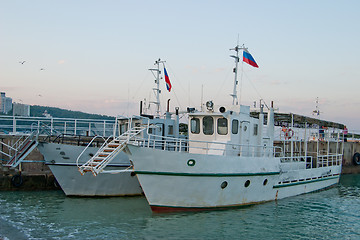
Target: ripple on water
x: 330, y: 214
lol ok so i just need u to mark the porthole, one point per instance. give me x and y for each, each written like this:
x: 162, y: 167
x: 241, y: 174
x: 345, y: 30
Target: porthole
x: 247, y: 183
x: 191, y: 162
x: 224, y: 184
x: 265, y: 182
x: 91, y: 154
x: 132, y: 174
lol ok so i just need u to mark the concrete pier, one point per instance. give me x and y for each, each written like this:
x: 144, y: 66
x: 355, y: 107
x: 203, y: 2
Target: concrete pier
x: 30, y: 176
x: 350, y: 148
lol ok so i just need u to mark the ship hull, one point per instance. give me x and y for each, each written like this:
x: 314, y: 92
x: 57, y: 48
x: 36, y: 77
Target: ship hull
x: 61, y: 159
x: 172, y: 183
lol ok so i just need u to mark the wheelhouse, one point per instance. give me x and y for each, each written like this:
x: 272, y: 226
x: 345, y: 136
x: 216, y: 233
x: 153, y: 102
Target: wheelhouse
x: 224, y: 128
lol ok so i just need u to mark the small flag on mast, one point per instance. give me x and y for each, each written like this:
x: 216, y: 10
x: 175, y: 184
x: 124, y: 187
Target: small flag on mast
x: 249, y: 59
x: 167, y: 80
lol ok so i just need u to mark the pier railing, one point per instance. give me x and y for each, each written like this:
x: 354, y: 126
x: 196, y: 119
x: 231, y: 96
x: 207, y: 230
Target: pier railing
x: 66, y: 126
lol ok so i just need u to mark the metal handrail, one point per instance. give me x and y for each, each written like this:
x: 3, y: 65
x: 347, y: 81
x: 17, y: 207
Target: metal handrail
x: 18, y: 147
x: 14, y: 124
x: 105, y: 141
x: 178, y: 144
x: 129, y: 136
x: 123, y: 140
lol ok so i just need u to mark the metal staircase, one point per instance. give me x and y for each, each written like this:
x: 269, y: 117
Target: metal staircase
x: 108, y: 151
x: 20, y: 149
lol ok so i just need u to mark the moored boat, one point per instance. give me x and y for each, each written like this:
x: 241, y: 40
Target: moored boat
x: 230, y: 159
x: 118, y: 178
x: 61, y: 159
x: 230, y: 162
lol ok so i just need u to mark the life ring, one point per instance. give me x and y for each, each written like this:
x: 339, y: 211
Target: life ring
x: 356, y: 159
x: 17, y: 180
x: 289, y: 133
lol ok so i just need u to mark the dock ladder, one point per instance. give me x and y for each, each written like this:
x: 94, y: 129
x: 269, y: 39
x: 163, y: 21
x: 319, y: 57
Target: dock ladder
x: 108, y: 151
x: 18, y: 151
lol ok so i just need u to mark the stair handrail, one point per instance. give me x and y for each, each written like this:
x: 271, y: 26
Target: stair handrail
x: 113, y: 154
x: 43, y: 127
x: 8, y: 146
x: 20, y: 141
x: 28, y: 138
x: 19, y: 148
x: 89, y: 144
x: 124, y: 138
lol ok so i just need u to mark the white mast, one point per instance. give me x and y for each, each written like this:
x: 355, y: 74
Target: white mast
x: 237, y: 59
x: 317, y: 110
x: 156, y: 72
x: 234, y: 94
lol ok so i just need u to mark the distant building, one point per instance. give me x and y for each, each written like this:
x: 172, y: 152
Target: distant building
x: 20, y: 109
x: 46, y: 114
x: 5, y: 103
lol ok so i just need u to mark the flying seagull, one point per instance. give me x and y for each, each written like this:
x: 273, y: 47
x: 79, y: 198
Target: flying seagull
x: 42, y: 69
x: 22, y: 62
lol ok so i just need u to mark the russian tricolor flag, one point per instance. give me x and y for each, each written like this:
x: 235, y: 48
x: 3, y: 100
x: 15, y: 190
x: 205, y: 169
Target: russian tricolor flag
x: 249, y: 59
x: 167, y: 80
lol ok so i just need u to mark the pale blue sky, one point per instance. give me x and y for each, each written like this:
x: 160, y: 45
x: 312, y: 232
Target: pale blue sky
x: 96, y: 53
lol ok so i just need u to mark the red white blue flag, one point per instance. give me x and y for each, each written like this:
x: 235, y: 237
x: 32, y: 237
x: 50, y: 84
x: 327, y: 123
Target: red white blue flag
x: 249, y: 59
x: 167, y: 80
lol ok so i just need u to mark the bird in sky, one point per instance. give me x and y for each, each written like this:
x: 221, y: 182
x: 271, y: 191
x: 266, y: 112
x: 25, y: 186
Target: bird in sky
x: 22, y: 62
x: 41, y: 69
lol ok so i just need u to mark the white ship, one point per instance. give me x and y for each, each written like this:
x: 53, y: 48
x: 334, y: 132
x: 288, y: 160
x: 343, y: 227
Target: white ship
x: 118, y: 178
x: 61, y: 159
x: 230, y: 159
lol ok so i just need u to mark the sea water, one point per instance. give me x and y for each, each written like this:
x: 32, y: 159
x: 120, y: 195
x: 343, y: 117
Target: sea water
x: 330, y: 214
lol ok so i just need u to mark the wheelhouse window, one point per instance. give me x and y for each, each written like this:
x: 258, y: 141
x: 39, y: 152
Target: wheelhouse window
x: 255, y: 129
x: 171, y: 130
x: 195, y: 125
x: 222, y: 126
x: 235, y: 126
x: 123, y: 128
x: 208, y: 125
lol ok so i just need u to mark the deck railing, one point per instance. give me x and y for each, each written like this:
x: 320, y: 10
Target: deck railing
x: 312, y: 160
x: 294, y: 162
x: 208, y: 148
x: 66, y: 126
